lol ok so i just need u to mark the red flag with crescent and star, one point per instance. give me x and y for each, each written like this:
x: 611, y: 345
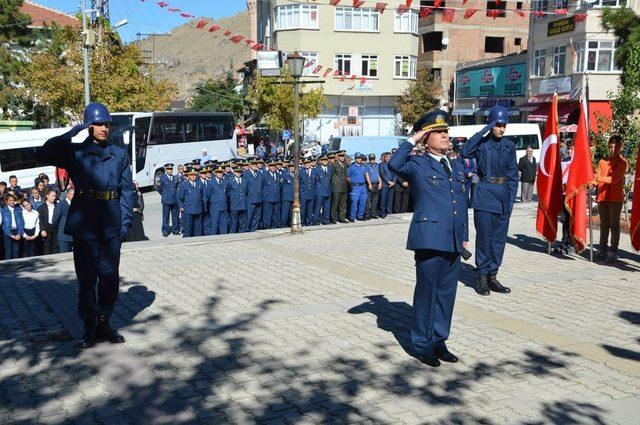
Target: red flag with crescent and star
x: 549, y: 178
x: 634, y: 229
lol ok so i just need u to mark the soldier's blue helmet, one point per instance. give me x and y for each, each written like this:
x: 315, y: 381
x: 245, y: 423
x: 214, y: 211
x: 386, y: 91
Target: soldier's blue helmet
x: 499, y: 115
x: 96, y: 113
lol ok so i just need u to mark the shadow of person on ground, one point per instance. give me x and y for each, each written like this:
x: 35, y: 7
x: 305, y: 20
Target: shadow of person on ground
x: 625, y: 353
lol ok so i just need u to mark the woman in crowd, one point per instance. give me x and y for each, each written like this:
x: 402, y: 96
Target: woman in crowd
x: 36, y: 199
x: 31, y: 229
x: 41, y: 188
x: 48, y: 230
x: 12, y: 227
x: 136, y: 231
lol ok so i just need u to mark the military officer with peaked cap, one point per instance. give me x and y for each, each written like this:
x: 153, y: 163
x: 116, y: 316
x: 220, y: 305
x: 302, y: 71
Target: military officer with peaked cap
x: 493, y: 196
x: 168, y: 189
x: 99, y: 215
x: 437, y: 234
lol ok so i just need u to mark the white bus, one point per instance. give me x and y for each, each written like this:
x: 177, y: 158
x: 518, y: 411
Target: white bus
x: 172, y: 137
x: 522, y: 135
x: 17, y: 154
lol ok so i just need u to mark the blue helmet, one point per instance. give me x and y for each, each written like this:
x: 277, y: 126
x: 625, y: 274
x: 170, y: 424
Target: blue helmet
x: 499, y: 115
x: 96, y: 113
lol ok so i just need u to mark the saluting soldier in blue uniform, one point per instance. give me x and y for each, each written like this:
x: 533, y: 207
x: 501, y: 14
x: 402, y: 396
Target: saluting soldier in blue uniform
x: 216, y: 197
x: 307, y: 194
x: 356, y: 176
x: 321, y: 175
x: 168, y: 189
x: 493, y: 196
x: 253, y: 179
x: 190, y: 200
x: 437, y: 235
x: 237, y: 195
x: 99, y: 215
x: 271, y: 197
x: 287, y: 194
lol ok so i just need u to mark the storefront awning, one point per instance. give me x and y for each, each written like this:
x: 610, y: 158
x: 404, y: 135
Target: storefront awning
x: 564, y: 111
x: 463, y: 111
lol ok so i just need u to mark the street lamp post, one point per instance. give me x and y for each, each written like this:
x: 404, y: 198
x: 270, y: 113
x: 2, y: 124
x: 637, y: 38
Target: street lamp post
x: 85, y: 53
x: 296, y: 66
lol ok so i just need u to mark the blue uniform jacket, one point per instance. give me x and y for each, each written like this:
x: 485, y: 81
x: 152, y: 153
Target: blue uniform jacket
x: 490, y: 197
x: 216, y: 195
x: 6, y: 220
x: 287, y: 186
x: 271, y: 187
x: 93, y: 168
x: 307, y: 186
x: 168, y: 189
x: 440, y: 218
x: 237, y: 194
x: 356, y: 173
x: 322, y: 180
x: 254, y: 185
x: 60, y: 214
x: 374, y: 172
x: 190, y: 198
x: 386, y: 174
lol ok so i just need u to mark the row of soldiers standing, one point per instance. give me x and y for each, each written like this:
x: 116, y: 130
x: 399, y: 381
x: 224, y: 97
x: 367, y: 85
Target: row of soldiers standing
x: 247, y: 195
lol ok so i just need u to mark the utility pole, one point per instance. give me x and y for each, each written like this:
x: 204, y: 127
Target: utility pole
x: 88, y: 41
x: 102, y: 9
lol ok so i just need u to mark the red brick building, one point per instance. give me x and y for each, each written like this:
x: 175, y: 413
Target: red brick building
x: 42, y: 15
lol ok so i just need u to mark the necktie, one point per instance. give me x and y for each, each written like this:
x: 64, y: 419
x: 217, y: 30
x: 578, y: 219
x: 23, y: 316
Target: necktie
x: 170, y: 178
x: 445, y: 164
x: 193, y: 184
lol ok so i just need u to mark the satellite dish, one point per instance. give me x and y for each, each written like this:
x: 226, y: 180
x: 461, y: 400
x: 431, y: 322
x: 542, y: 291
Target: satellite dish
x: 445, y: 40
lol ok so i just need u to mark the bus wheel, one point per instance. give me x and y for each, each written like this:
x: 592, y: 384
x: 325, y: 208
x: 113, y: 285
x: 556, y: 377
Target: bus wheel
x: 156, y: 179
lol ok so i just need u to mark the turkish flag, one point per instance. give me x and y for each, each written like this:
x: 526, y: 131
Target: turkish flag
x: 580, y: 174
x: 549, y: 178
x: 469, y: 13
x: 448, y: 14
x: 634, y: 230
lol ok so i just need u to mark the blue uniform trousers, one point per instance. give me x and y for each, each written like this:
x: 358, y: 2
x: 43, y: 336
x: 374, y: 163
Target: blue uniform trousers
x: 64, y: 246
x: 433, y: 299
x: 192, y: 225
x: 206, y: 223
x: 306, y: 212
x: 322, y: 209
x: 285, y: 213
x: 491, y: 238
x: 239, y: 221
x: 386, y: 200
x: 271, y: 214
x: 219, y: 222
x: 254, y: 216
x: 97, y: 262
x: 358, y: 198
x: 173, y: 211
x: 11, y: 247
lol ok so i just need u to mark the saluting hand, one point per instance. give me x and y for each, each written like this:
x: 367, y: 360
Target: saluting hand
x: 77, y: 129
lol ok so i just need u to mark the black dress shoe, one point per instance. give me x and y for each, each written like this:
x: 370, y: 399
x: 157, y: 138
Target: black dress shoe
x: 446, y: 355
x: 429, y: 359
x: 333, y: 222
x: 343, y: 221
x: 496, y: 286
x: 351, y: 220
x: 88, y: 339
x: 105, y: 333
x: 482, y: 287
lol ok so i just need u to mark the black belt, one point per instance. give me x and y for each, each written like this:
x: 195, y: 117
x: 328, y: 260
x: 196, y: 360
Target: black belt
x: 103, y: 195
x: 358, y: 184
x: 495, y: 180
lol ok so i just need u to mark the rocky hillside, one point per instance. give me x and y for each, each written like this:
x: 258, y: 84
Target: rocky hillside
x: 189, y: 55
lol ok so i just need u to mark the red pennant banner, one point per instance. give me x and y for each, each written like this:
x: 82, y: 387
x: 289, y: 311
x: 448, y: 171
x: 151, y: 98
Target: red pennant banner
x: 214, y: 27
x: 464, y: 2
x: 561, y: 11
x: 380, y: 7
x: 363, y: 81
x: 187, y: 15
x: 357, y: 3
x: 538, y: 13
x: 469, y: 13
x: 227, y: 33
x: 402, y: 9
x: 249, y: 42
x: 174, y: 9
x: 237, y: 38
x: 498, y: 2
x: 337, y: 73
x: 520, y: 13
x: 334, y: 2
x: 344, y: 77
x: 580, y: 17
x: 257, y: 46
x: 163, y: 4
x: 448, y: 14
x: 317, y: 69
x: 494, y: 13
x: 425, y: 12
x: 409, y: 4
x: 201, y: 24
x: 437, y: 3
x: 327, y: 72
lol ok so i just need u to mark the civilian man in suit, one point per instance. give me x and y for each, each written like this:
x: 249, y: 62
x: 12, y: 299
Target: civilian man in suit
x: 339, y: 189
x: 271, y: 187
x: 253, y: 180
x: 237, y: 195
x: 168, y: 190
x: 190, y: 196
x: 60, y: 214
x: 437, y: 235
x: 321, y: 176
x: 528, y: 169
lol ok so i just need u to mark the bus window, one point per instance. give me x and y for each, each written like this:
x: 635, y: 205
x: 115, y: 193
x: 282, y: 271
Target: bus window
x: 141, y: 130
x: 523, y: 140
x: 119, y: 124
x: 215, y: 127
x: 19, y: 159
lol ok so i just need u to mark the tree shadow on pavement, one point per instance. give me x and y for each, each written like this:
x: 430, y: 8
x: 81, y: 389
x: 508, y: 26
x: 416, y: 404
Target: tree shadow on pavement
x: 625, y: 353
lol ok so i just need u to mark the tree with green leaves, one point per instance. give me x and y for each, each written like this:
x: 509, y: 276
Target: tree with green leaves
x: 55, y: 77
x: 421, y: 96
x: 218, y: 95
x: 274, y: 102
x: 14, y: 31
x: 625, y: 24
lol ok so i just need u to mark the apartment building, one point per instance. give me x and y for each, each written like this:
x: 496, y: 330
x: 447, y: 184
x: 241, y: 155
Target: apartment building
x: 448, y: 43
x: 381, y: 47
x: 566, y: 51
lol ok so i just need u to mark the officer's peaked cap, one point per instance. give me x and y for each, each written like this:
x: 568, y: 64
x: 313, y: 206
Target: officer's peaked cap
x: 434, y: 120
x: 372, y: 156
x: 169, y: 166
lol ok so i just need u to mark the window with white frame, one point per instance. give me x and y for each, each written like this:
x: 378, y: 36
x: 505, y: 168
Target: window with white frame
x: 342, y: 63
x: 578, y: 64
x: 406, y: 22
x: 600, y: 56
x: 539, y: 62
x: 356, y: 19
x: 296, y: 16
x: 605, y: 3
x: 310, y: 62
x: 540, y: 5
x: 405, y: 66
x: 559, y: 59
x: 369, y: 66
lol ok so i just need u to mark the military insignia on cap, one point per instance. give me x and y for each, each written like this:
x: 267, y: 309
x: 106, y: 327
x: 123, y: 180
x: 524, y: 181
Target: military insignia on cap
x: 440, y: 119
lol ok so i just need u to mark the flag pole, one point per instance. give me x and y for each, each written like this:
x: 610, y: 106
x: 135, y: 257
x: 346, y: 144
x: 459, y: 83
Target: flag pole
x: 589, y: 207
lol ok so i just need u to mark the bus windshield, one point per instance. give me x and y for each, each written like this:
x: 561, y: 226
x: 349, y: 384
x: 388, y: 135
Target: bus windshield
x: 119, y: 124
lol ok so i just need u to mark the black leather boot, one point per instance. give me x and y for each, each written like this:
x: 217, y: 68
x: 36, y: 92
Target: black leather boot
x: 88, y: 339
x: 496, y: 286
x: 105, y: 333
x: 482, y: 286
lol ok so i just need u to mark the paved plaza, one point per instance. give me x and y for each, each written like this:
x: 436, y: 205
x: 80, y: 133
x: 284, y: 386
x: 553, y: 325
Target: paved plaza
x: 273, y: 328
